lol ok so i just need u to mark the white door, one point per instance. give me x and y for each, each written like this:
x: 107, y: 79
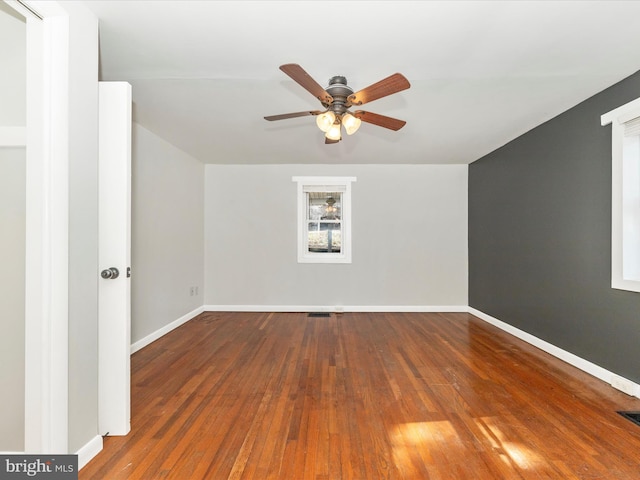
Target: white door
x: 114, y: 259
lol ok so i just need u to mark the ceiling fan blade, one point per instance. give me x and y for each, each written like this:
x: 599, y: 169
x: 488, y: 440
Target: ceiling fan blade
x: 380, y: 120
x: 329, y: 141
x: 284, y: 116
x: 305, y: 80
x: 392, y: 84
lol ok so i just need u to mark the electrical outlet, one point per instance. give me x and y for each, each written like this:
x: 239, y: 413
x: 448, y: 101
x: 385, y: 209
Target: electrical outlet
x: 191, y: 291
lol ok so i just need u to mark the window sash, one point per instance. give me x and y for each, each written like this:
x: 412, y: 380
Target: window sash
x: 625, y: 197
x: 341, y: 185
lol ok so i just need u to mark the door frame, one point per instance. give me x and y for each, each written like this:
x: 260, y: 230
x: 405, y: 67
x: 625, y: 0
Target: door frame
x: 47, y: 227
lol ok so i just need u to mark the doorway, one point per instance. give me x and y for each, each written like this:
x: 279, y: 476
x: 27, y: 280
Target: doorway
x: 12, y: 218
x: 45, y: 355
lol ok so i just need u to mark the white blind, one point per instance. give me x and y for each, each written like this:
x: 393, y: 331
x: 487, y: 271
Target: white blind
x: 632, y: 127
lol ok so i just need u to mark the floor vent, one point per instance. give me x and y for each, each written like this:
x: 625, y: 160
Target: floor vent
x: 318, y: 314
x: 633, y: 416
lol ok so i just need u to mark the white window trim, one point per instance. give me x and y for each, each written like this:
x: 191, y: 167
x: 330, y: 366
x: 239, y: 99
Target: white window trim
x: 343, y: 183
x: 617, y: 118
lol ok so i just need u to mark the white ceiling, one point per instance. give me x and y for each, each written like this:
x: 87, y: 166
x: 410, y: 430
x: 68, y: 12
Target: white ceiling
x: 205, y: 73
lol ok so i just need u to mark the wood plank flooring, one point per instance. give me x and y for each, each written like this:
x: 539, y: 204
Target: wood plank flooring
x: 364, y: 396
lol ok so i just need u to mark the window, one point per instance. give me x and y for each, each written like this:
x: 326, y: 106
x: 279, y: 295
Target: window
x: 625, y: 169
x: 324, y: 219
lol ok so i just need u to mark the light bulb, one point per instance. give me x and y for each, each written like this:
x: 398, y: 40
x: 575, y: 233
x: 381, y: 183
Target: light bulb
x: 351, y: 123
x: 334, y: 132
x: 325, y: 120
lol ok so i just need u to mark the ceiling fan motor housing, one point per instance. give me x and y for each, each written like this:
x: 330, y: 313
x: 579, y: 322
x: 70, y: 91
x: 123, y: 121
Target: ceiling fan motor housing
x: 340, y: 91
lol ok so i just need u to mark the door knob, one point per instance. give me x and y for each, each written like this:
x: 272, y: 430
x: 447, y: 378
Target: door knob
x: 110, y: 273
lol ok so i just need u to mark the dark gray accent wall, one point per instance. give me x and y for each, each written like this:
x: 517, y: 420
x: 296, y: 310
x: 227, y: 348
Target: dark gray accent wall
x: 540, y: 237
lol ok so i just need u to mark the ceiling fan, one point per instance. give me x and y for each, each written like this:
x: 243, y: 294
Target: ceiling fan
x: 338, y: 97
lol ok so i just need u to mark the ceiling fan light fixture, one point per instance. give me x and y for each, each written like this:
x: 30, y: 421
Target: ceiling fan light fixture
x: 325, y: 120
x: 334, y: 132
x: 351, y: 123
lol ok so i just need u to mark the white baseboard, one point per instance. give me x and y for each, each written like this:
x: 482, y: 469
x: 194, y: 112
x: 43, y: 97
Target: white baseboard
x: 336, y: 308
x: 616, y: 381
x: 164, y: 330
x: 90, y: 450
x: 85, y: 454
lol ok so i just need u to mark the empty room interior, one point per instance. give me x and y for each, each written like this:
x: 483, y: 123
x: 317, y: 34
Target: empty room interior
x: 321, y: 239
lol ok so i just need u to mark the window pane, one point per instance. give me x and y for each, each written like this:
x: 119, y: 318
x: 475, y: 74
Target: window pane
x: 324, y: 206
x: 631, y: 208
x: 325, y: 237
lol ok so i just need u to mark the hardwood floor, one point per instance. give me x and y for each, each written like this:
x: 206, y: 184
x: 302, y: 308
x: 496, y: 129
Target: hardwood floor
x: 364, y: 396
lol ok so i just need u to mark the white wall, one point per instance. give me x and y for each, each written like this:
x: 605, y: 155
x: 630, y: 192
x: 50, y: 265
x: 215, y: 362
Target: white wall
x: 12, y: 231
x: 409, y: 238
x: 13, y: 64
x: 167, y: 251
x: 12, y: 258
